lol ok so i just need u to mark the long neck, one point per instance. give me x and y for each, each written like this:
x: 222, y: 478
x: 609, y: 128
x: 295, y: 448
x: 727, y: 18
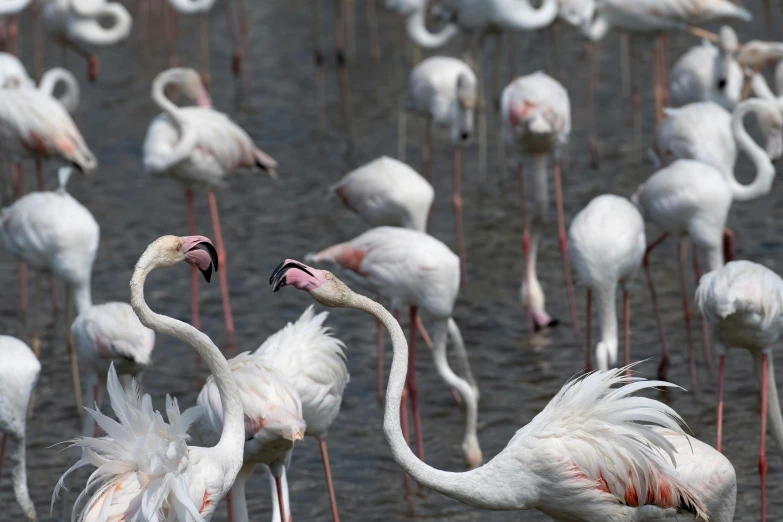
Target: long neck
x: 461, y: 486
x: 19, y: 478
x: 418, y: 32
x: 775, y: 416
x: 10, y: 7
x: 232, y: 438
x: 82, y: 296
x: 187, y: 135
x: 765, y: 171
x: 606, y: 351
x: 519, y: 15
x: 94, y: 32
x: 70, y: 97
x: 192, y: 6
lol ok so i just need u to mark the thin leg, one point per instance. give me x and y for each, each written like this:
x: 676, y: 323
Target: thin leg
x: 458, y: 223
x: 594, y: 50
x: 663, y: 367
x: 554, y: 38
x: 563, y: 240
x: 206, y: 77
x: 342, y: 72
x: 728, y: 245
x: 315, y: 21
x: 280, y: 499
x: 686, y: 307
x: 501, y: 143
x: 236, y: 59
x: 244, y: 31
x: 483, y: 107
x: 36, y: 341
x: 169, y: 28
x: 763, y: 451
x: 413, y: 389
x: 402, y: 80
x: 39, y: 174
x: 705, y: 332
x: 194, y: 272
x: 349, y: 10
x: 372, y: 25
x: 589, y: 320
x: 658, y: 79
x: 721, y: 375
x: 77, y: 386
x: 230, y: 506
x: 35, y: 10
x: 329, y: 483
x: 627, y: 329
x: 16, y: 170
x: 526, y: 246
x: 223, y: 272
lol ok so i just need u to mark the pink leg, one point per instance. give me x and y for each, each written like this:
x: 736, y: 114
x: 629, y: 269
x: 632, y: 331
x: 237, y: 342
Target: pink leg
x: 763, y: 452
x: 705, y: 333
x: 35, y: 10
x: 728, y: 245
x: 329, y: 483
x: 526, y: 246
x: 169, y: 28
x: 457, y: 200
x: 194, y: 272
x: 236, y: 61
x: 342, y: 74
x: 223, y: 272
x: 663, y: 367
x: 627, y: 329
x: 589, y: 327
x: 230, y: 506
x: 721, y: 375
x: 315, y: 12
x: 13, y: 35
x: 206, y: 77
x: 411, y: 383
x: 563, y: 240
x: 686, y: 307
x: 279, y: 485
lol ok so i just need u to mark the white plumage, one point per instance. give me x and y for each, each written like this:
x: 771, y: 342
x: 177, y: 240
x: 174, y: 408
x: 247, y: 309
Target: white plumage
x: 78, y: 24
x: 18, y: 376
x: 387, y: 192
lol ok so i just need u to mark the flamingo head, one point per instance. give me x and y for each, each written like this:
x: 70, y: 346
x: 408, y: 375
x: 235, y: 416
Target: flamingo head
x: 577, y: 13
x: 194, y: 250
x: 324, y: 286
x: 190, y: 82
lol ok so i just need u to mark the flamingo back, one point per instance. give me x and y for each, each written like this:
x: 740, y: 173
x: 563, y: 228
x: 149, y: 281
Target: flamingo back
x: 18, y: 376
x: 700, y: 75
x: 11, y: 67
x: 313, y: 361
x: 664, y: 15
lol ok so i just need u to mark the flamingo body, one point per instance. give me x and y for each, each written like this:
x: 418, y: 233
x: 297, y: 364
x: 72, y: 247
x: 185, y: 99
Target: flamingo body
x: 79, y: 23
x: 537, y: 113
x: 706, y: 73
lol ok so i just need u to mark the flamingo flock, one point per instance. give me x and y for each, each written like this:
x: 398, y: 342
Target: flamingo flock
x: 609, y: 444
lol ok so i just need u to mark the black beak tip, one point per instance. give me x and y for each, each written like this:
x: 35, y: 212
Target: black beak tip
x: 207, y: 273
x: 275, y: 272
x: 212, y: 254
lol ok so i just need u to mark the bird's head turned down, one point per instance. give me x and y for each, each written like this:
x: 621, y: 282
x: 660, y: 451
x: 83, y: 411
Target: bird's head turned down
x: 189, y: 81
x: 194, y: 250
x: 324, y: 286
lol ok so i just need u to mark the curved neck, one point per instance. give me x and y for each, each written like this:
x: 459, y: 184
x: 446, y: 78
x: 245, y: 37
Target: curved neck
x: 93, y: 32
x: 187, y: 141
x: 765, y: 171
x: 607, y: 317
x: 519, y: 15
x: 418, y: 32
x: 19, y: 478
x: 232, y: 438
x: 192, y: 6
x: 70, y: 97
x: 10, y: 7
x: 82, y: 297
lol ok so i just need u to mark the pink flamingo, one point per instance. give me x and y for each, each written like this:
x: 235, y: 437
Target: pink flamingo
x: 199, y: 146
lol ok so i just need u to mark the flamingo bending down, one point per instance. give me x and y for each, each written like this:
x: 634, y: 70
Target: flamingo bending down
x: 537, y: 119
x: 314, y: 363
x: 607, y: 246
x: 52, y: 231
x: 743, y: 304
x: 444, y: 91
x: 591, y: 454
x: 414, y: 269
x: 18, y: 377
x: 692, y: 198
x: 199, y: 146
x: 80, y: 25
x: 145, y: 469
x: 273, y: 423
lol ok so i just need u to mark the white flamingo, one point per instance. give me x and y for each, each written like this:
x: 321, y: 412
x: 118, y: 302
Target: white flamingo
x: 591, y: 454
x: 199, y: 146
x: 743, y: 304
x: 145, y: 469
x: 445, y: 92
x: 536, y: 115
x: 414, y: 269
x: 607, y: 246
x: 18, y: 377
x: 415, y: 14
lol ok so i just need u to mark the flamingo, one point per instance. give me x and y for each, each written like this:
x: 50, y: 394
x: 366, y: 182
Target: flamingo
x: 199, y: 146
x: 145, y: 469
x: 14, y: 74
x: 743, y: 304
x: 314, y: 363
x: 414, y: 269
x: 105, y: 335
x: 591, y: 454
x: 385, y: 192
x: 608, y: 243
x: 18, y: 377
x: 537, y: 119
x: 691, y: 198
x: 444, y: 91
x: 273, y: 423
x: 415, y: 14
x: 80, y: 25
x: 9, y: 27
x: 52, y: 231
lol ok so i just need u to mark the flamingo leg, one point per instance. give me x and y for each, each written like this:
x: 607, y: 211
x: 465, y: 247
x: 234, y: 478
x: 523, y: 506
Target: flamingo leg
x: 413, y: 388
x: 402, y: 114
x: 16, y: 175
x: 496, y: 88
x: 35, y: 11
x: 563, y: 240
x: 721, y: 375
x: 13, y: 35
x: 72, y: 350
x: 589, y: 329
x: 526, y: 246
x: 458, y: 223
x: 236, y: 59
x: 636, y: 102
x: 39, y: 173
x: 428, y: 342
x: 206, y: 77
x: 194, y: 272
x: 663, y: 367
x: 223, y: 273
x: 627, y: 329
x: 36, y: 342
x: 244, y: 33
x: 329, y: 483
x: 280, y: 499
x: 379, y: 336
x: 230, y: 505
x: 659, y: 74
x: 728, y: 245
x: 686, y: 307
x: 52, y: 282
x: 554, y: 48
x: 169, y: 30
x: 315, y: 22
x: 594, y: 50
x: 342, y: 72
x: 705, y: 332
x: 372, y: 25
x: 763, y: 450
